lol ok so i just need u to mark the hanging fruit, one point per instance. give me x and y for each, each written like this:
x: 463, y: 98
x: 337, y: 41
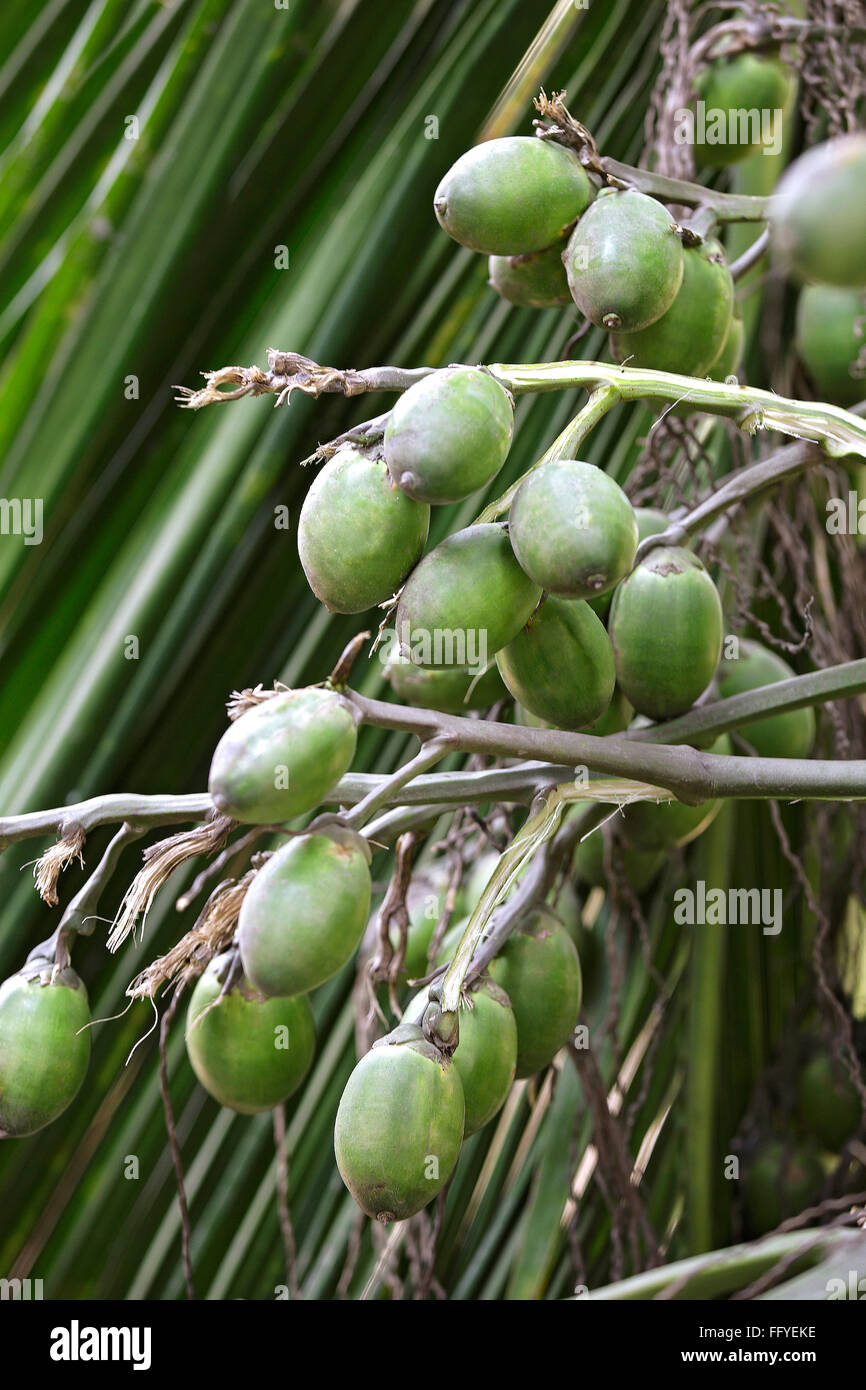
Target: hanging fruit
x: 305, y: 911
x: 818, y: 214
x: 283, y: 756
x: 666, y: 626
x: 358, y: 534
x: 539, y: 970
x: 399, y: 1125
x: 624, y: 261
x: 44, y: 1045
x: 465, y: 600
x: 249, y: 1052
x: 573, y: 529
x: 510, y: 196
x: 448, y: 435
x: 486, y: 1054
x: 560, y: 665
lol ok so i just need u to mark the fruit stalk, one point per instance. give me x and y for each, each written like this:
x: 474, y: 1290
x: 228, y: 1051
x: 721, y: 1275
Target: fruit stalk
x: 565, y: 446
x: 738, y: 487
x: 553, y: 754
x: 838, y: 431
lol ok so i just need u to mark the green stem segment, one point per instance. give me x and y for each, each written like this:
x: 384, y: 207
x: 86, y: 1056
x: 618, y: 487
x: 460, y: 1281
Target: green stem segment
x: 565, y: 446
x: 838, y: 431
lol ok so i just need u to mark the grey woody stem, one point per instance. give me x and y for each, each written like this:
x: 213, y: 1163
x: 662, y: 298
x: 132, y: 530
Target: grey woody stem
x: 687, y: 773
x: 739, y: 487
x: 726, y: 207
x: 549, y: 757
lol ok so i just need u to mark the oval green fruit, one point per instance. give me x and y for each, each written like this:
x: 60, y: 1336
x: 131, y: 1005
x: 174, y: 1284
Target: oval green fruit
x: 452, y: 692
x: 727, y: 364
x: 304, y: 913
x: 479, y: 876
x: 666, y: 626
x: 535, y: 281
x: 624, y: 261
x: 789, y: 735
x: 830, y: 337
x: 829, y: 1104
x: 616, y: 717
x: 690, y: 336
x: 650, y: 522
x: 818, y: 214
x: 399, y: 1125
x: 486, y: 1055
x: 465, y: 600
x: 651, y: 826
x: 513, y: 195
x: 425, y: 901
x: 250, y: 1053
x: 560, y: 665
x: 573, y: 529
x: 539, y: 970
x: 358, y: 534
x: 283, y: 756
x: 738, y: 95
x: 638, y: 866
x: 44, y: 1053
x: 781, y: 1179
x: 448, y: 435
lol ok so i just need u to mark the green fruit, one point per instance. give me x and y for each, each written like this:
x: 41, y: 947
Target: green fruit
x: 450, y: 942
x: 478, y: 877
x: 535, y: 281
x: 650, y: 522
x: 250, y: 1053
x: 690, y: 336
x: 830, y: 1106
x: 639, y: 867
x: 425, y: 900
x: 818, y: 215
x: 304, y: 913
x: 789, y: 735
x: 616, y: 717
x: 43, y: 1051
x: 511, y: 196
x: 781, y: 1180
x: 358, y: 535
x: 453, y: 692
x: 666, y: 626
x: 624, y: 261
x: 539, y: 970
x: 741, y: 90
x: 448, y: 435
x: 573, y: 529
x: 486, y: 1055
x: 651, y: 826
x: 399, y: 1125
x: 560, y: 666
x: 728, y: 361
x: 283, y: 756
x: 465, y: 600
x: 831, y: 328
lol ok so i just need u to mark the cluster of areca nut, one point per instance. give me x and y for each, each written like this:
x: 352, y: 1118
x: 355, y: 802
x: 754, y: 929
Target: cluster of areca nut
x: 559, y: 612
